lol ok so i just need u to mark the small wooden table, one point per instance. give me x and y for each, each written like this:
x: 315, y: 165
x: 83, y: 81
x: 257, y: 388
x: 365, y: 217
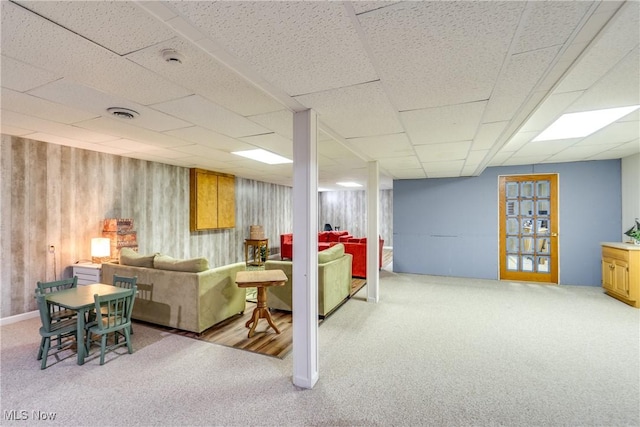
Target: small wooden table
x: 80, y: 299
x: 256, y: 244
x: 260, y: 279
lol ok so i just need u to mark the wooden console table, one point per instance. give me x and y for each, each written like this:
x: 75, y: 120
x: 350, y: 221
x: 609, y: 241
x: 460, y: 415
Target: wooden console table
x: 255, y: 244
x: 260, y: 279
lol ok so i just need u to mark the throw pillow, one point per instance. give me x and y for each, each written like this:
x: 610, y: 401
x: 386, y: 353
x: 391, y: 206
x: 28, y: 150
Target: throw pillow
x: 194, y: 265
x: 334, y: 252
x: 130, y: 257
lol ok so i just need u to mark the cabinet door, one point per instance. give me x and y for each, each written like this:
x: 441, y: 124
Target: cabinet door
x: 608, y: 275
x: 226, y: 202
x: 621, y: 278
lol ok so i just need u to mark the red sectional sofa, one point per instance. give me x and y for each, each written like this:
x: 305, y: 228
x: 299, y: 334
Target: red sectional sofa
x: 325, y: 238
x: 358, y: 249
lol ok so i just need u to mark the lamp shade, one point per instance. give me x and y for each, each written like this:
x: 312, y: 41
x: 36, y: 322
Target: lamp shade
x: 100, y: 248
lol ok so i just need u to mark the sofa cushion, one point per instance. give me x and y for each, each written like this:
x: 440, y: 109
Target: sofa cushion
x: 130, y: 257
x: 330, y: 254
x: 193, y: 265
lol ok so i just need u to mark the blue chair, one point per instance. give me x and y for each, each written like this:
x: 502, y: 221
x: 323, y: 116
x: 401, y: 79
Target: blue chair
x: 52, y: 328
x: 113, y: 315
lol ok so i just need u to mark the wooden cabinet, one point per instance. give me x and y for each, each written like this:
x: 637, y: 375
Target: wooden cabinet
x: 211, y: 200
x: 621, y: 272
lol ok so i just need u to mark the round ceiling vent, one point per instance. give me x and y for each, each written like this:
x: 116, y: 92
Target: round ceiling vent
x: 172, y: 56
x: 123, y: 113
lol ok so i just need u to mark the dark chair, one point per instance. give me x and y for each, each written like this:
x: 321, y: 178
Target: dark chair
x: 117, y: 320
x: 127, y: 283
x: 57, y: 312
x: 52, y: 328
x: 327, y: 227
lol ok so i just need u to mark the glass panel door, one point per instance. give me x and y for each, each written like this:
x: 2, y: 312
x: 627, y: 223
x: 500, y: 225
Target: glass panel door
x: 528, y: 228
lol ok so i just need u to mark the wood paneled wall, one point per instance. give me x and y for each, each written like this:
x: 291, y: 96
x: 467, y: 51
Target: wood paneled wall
x: 57, y: 195
x: 348, y: 210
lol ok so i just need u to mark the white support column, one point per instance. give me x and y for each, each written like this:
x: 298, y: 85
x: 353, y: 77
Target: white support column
x: 305, y: 249
x: 373, y: 233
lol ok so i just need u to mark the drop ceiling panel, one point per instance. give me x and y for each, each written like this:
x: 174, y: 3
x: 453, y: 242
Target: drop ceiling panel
x: 546, y: 147
x: 208, y: 138
x: 202, y: 74
x: 45, y: 45
x: 355, y: 111
x: 128, y: 146
x: 615, y: 134
x: 443, y: 152
x: 412, y: 44
x: 280, y: 122
x: 107, y: 23
x: 291, y: 45
x: 71, y: 142
x: 417, y: 173
x: 446, y: 124
x: 575, y: 152
x: 517, y: 82
x: 206, y: 152
x: 622, y: 35
x: 443, y: 169
x: 120, y: 129
x: 53, y: 128
x: 82, y: 97
x: 33, y: 106
x: 21, y: 77
x: 200, y: 111
x: 488, y: 134
x: 383, y: 146
x: 553, y: 107
x: 547, y: 24
x: 396, y: 163
x: 13, y: 130
x: 334, y: 150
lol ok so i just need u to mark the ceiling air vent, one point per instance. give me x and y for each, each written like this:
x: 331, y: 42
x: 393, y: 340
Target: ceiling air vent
x: 172, y: 56
x: 123, y: 113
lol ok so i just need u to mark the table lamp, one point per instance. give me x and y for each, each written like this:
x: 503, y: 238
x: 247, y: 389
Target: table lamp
x: 100, y: 250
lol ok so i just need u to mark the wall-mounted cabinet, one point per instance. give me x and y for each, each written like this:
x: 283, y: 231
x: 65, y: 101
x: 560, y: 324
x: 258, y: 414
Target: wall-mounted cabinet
x: 211, y: 200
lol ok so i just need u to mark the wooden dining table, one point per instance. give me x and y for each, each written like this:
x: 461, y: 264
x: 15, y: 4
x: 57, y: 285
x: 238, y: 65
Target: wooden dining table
x: 80, y: 299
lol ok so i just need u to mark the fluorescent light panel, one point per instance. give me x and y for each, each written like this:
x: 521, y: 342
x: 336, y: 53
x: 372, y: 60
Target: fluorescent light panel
x: 263, y: 156
x: 579, y: 125
x: 349, y: 184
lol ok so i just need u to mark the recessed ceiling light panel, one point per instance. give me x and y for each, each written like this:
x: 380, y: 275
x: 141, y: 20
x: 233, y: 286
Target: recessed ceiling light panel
x: 579, y: 125
x: 263, y: 156
x: 349, y: 184
x: 123, y: 113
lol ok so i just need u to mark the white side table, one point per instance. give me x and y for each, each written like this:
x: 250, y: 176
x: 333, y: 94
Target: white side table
x: 87, y: 273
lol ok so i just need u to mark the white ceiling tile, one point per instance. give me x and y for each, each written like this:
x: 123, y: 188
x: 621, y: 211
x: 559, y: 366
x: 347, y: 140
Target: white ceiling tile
x: 475, y: 157
x: 334, y: 150
x: 383, y: 146
x: 72, y: 142
x: 119, y: 26
x: 445, y: 124
x: 207, y: 152
x: 525, y: 160
x: 519, y: 140
x: 488, y: 134
x: 548, y: 23
x: 35, y: 40
x: 208, y: 138
x: 280, y: 122
x: 443, y: 152
x: 21, y: 77
x: 120, y: 129
x: 517, y: 82
x: 417, y: 173
x: 205, y: 113
x: 82, y: 97
x: 202, y: 74
x: 614, y: 134
x: 53, y: 128
x: 291, y: 45
x: 575, y: 152
x: 546, y: 147
x: 13, y: 130
x: 367, y: 6
x: 395, y: 163
x: 622, y: 35
x: 499, y: 158
x: 33, y: 106
x: 412, y: 43
x: 128, y: 145
x: 355, y: 111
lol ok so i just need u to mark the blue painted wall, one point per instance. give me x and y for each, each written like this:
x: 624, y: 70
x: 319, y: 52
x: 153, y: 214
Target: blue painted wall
x: 449, y: 226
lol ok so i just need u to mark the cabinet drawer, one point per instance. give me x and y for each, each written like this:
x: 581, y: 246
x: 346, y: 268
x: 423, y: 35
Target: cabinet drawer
x: 614, y: 253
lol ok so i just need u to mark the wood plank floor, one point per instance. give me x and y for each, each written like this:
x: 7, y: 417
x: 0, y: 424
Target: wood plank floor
x: 233, y: 333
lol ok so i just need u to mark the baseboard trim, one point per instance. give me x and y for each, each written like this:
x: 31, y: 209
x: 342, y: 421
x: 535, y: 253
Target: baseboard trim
x: 18, y: 318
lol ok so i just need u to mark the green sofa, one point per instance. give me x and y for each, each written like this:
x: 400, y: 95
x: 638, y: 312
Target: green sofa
x: 192, y: 300
x: 334, y: 281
